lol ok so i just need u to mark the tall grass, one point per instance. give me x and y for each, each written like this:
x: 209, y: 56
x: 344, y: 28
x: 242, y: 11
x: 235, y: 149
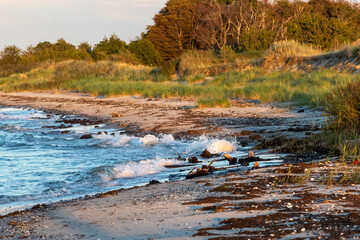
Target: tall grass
x: 281, y: 86
x: 293, y: 48
x: 111, y: 78
x: 344, y: 104
x: 196, y: 59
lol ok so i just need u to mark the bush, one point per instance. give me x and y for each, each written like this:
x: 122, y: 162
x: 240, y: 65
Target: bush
x: 227, y: 54
x: 344, y: 105
x: 145, y: 52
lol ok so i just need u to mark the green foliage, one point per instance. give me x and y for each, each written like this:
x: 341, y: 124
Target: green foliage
x: 344, y: 105
x: 146, y: 52
x: 10, y: 55
x: 169, y: 68
x: 227, y: 54
x: 320, y: 31
x: 214, y: 102
x: 112, y: 45
x: 256, y: 40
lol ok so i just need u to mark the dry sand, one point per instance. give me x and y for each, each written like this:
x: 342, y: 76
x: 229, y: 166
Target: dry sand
x: 237, y: 205
x: 177, y: 116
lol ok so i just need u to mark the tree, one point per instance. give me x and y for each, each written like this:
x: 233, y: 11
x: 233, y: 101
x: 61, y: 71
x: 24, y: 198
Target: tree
x: 112, y: 45
x: 10, y: 55
x: 173, y: 31
x: 146, y: 52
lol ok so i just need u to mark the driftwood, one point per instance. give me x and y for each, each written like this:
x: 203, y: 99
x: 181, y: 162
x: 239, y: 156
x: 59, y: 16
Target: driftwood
x: 203, y: 171
x: 231, y: 160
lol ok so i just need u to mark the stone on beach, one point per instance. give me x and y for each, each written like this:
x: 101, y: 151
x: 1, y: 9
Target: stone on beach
x: 206, y: 154
x: 86, y: 136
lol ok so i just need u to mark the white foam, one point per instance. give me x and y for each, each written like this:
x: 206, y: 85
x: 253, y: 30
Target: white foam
x: 167, y: 138
x: 14, y: 117
x: 219, y: 146
x: 116, y: 140
x: 213, y: 145
x: 138, y: 169
x: 149, y: 140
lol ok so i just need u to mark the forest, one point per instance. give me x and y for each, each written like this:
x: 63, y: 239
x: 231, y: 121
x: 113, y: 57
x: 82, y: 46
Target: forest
x: 226, y: 27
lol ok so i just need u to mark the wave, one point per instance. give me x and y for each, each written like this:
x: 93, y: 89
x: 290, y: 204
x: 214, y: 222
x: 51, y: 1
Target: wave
x: 137, y: 169
x: 152, y: 140
x: 116, y: 140
x: 213, y: 145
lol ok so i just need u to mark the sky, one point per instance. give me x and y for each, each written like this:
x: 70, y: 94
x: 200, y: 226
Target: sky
x: 28, y: 22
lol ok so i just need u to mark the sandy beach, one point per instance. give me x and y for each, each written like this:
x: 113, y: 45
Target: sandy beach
x: 285, y: 201
x: 179, y: 117
x: 237, y: 205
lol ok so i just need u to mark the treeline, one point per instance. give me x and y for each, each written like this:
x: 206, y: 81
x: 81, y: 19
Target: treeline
x: 142, y: 51
x: 225, y: 26
x: 247, y: 25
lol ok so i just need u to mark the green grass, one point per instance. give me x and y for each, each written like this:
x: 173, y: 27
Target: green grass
x: 280, y: 86
x: 111, y: 78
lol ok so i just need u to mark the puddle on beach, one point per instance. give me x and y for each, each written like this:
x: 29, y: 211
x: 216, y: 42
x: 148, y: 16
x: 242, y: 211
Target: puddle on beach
x: 44, y: 160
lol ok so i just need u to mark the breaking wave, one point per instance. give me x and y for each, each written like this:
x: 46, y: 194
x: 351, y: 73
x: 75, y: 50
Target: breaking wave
x: 213, y: 145
x: 137, y: 169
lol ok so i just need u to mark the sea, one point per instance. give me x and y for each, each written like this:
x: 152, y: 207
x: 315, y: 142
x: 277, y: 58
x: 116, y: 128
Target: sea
x: 43, y: 160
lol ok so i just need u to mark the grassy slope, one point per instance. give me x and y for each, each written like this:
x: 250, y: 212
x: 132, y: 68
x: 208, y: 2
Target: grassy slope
x: 238, y: 79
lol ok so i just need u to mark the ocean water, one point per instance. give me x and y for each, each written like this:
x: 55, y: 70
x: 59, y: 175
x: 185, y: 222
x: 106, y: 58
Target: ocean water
x: 39, y: 164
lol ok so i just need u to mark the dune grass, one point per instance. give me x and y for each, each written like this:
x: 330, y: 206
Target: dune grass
x: 111, y: 79
x: 293, y: 48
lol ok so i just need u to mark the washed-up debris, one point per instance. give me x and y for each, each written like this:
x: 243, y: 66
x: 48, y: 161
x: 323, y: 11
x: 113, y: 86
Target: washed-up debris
x: 256, y: 166
x: 203, y: 171
x: 232, y: 160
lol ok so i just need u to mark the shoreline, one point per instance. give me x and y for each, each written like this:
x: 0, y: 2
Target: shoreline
x: 202, y: 208
x: 250, y: 121
x: 181, y: 209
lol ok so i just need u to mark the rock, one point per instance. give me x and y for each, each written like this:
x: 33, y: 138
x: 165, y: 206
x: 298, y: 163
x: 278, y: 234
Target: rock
x: 193, y: 160
x: 154, y: 182
x: 251, y: 154
x: 86, y: 136
x: 64, y: 132
x: 206, y: 154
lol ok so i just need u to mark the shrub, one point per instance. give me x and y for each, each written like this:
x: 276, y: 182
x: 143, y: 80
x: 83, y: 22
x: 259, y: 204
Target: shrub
x: 145, y: 52
x: 344, y: 105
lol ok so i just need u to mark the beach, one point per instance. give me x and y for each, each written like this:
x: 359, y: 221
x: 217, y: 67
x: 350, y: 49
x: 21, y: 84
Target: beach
x: 286, y: 201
